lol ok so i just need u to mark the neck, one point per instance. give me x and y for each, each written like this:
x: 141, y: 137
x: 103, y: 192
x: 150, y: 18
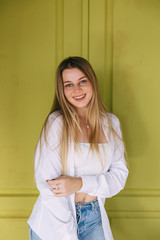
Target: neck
x: 82, y: 113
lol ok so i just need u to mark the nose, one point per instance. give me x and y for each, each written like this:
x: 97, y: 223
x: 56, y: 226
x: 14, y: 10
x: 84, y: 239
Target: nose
x: 77, y: 88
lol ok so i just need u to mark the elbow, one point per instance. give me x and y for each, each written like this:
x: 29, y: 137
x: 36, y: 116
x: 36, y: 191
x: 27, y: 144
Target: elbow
x: 121, y: 180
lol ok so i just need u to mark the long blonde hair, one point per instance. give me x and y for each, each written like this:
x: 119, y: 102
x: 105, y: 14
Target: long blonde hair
x: 96, y: 109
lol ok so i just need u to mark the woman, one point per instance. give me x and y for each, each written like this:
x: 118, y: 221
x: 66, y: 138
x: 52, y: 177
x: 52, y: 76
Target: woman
x: 79, y: 160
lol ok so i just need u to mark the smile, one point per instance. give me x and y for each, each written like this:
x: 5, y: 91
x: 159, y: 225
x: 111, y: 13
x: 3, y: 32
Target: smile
x: 80, y: 97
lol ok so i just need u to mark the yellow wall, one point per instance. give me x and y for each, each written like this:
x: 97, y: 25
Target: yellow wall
x: 121, y: 40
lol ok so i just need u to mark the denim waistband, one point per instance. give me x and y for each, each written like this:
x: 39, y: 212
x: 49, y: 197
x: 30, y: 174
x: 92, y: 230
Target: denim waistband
x: 87, y: 205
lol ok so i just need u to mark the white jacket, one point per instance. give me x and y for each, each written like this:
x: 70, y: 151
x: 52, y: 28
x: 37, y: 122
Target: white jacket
x: 54, y: 218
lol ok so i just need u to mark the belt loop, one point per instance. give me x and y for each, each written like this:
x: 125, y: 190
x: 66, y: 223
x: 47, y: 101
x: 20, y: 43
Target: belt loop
x: 93, y: 207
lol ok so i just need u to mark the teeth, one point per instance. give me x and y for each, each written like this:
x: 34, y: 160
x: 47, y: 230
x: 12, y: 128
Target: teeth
x: 79, y: 97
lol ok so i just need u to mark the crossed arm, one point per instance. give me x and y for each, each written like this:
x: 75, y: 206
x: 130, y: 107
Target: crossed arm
x: 65, y: 185
x: 106, y: 185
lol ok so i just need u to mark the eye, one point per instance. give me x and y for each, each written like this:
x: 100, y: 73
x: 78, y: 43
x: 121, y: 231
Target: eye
x: 68, y: 85
x: 83, y: 81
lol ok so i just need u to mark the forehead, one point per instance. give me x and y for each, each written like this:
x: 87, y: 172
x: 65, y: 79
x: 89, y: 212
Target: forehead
x: 72, y: 74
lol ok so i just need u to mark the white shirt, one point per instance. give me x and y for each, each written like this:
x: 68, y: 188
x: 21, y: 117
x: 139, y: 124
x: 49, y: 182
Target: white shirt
x: 54, y: 218
x: 87, y: 162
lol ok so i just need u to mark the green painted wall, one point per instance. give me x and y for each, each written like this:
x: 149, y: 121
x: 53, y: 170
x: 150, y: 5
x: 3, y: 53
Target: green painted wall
x: 121, y: 40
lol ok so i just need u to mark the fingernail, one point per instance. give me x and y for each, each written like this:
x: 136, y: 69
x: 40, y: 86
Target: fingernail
x: 46, y: 180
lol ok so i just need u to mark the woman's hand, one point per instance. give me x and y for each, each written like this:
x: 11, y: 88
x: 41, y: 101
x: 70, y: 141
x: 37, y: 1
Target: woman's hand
x: 65, y: 185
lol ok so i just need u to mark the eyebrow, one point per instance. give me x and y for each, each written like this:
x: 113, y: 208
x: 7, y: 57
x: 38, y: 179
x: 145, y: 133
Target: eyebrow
x: 78, y: 79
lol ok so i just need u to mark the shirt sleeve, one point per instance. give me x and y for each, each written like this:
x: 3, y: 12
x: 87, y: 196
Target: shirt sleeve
x: 48, y: 166
x: 112, y: 181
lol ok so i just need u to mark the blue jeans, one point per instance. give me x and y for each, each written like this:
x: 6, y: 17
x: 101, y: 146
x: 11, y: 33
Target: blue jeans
x: 89, y: 221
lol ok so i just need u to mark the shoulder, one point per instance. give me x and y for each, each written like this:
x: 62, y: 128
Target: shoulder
x: 55, y: 118
x: 113, y: 122
x: 113, y: 118
x: 110, y: 118
x: 55, y: 121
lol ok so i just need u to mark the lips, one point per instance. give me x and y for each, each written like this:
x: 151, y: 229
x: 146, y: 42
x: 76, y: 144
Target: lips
x: 80, y: 97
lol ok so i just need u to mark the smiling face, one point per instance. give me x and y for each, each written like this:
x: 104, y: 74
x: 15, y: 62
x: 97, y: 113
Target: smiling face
x: 77, y: 88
